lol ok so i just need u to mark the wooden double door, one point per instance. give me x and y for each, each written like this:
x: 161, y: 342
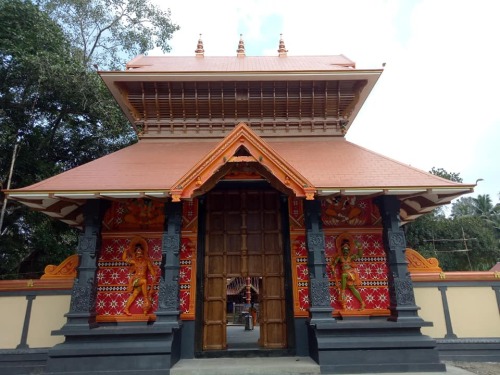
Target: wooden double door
x: 244, y: 238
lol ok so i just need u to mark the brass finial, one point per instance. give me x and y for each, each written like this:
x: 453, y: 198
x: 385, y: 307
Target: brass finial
x: 199, y: 48
x: 281, y: 49
x: 241, y: 47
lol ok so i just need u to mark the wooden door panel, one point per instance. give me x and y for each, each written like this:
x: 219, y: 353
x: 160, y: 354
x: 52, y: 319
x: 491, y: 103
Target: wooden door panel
x: 273, y: 265
x: 215, y: 336
x: 233, y: 265
x: 271, y: 221
x: 243, y: 238
x: 233, y: 242
x: 215, y: 243
x: 254, y: 243
x: 215, y: 267
x: 255, y: 265
x: 214, y: 309
x: 212, y: 315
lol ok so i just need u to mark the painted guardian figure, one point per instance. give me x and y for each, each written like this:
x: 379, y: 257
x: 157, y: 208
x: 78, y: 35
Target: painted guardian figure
x: 136, y: 255
x: 349, y: 276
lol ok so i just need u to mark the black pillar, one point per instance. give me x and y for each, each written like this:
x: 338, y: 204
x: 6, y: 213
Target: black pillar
x: 168, y: 299
x: 83, y: 296
x: 319, y: 292
x: 402, y: 297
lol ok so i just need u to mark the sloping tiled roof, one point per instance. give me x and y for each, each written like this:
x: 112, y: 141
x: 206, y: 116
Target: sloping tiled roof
x: 150, y: 168
x: 149, y: 165
x: 239, y: 64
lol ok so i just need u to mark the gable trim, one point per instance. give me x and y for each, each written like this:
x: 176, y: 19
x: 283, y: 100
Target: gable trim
x: 259, y: 152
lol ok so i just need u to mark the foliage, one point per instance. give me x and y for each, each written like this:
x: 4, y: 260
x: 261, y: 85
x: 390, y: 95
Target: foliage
x: 473, y: 226
x: 463, y: 207
x: 56, y: 106
x: 447, y: 238
x: 110, y: 32
x: 452, y: 176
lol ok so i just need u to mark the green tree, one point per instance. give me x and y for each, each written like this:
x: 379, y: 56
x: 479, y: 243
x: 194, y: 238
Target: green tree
x: 463, y: 207
x: 465, y: 241
x: 34, y: 56
x: 55, y: 105
x: 481, y: 206
x: 452, y: 176
x: 110, y: 32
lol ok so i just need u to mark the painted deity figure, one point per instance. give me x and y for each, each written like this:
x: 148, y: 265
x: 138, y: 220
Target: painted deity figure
x: 349, y: 276
x: 140, y: 265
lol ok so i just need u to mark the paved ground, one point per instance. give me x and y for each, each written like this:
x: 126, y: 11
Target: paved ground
x: 478, y: 368
x: 303, y: 366
x: 239, y: 338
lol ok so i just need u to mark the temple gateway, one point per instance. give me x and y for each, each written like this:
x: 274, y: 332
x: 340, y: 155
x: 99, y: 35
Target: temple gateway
x: 242, y: 206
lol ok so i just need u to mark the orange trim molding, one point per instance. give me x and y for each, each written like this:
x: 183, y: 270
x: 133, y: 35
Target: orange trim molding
x: 418, y: 264
x: 225, y: 153
x: 34, y: 284
x: 65, y: 270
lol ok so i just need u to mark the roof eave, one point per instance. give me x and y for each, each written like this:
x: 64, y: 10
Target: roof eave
x: 371, y: 76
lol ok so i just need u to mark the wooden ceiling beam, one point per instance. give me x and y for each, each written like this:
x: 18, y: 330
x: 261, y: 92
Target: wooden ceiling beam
x: 158, y: 114
x: 222, y: 101
x: 235, y: 93
x: 183, y: 102
x: 170, y: 101
x: 143, y: 97
x: 313, y: 102
x: 197, y: 107
x: 209, y: 103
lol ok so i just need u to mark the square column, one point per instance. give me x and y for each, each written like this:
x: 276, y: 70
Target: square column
x: 402, y: 297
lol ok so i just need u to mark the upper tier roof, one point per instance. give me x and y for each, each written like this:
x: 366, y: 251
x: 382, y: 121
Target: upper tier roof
x: 200, y: 96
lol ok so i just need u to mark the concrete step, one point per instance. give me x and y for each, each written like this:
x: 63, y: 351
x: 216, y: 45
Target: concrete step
x: 246, y: 366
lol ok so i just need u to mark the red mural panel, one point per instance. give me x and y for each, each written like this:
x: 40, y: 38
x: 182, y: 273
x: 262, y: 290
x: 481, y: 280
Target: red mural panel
x: 186, y: 276
x: 122, y: 222
x: 349, y: 211
x: 359, y: 218
x: 113, y: 277
x: 372, y: 270
x: 296, y: 214
x: 300, y: 274
x: 134, y: 215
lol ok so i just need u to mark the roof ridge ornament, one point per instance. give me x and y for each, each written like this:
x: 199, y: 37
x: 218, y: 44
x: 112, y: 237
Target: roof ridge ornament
x: 241, y: 47
x: 282, y: 51
x: 200, y: 52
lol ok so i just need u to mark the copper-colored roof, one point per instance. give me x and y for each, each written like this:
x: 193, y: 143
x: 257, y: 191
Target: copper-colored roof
x: 149, y: 165
x: 334, y: 166
x: 199, y: 97
x: 239, y: 64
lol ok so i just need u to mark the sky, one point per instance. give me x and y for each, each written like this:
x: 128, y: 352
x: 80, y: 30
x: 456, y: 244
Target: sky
x: 435, y: 105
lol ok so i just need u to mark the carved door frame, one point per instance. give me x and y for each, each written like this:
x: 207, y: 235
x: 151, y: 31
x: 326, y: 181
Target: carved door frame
x: 286, y: 264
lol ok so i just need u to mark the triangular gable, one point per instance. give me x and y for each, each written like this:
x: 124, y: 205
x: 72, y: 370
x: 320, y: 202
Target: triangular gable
x: 227, y: 152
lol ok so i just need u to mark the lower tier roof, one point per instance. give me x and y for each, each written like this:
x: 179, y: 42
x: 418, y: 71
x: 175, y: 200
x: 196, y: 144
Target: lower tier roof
x: 181, y: 169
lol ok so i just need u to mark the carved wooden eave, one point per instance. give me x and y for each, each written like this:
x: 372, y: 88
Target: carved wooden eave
x: 415, y: 201
x: 180, y: 103
x: 226, y: 153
